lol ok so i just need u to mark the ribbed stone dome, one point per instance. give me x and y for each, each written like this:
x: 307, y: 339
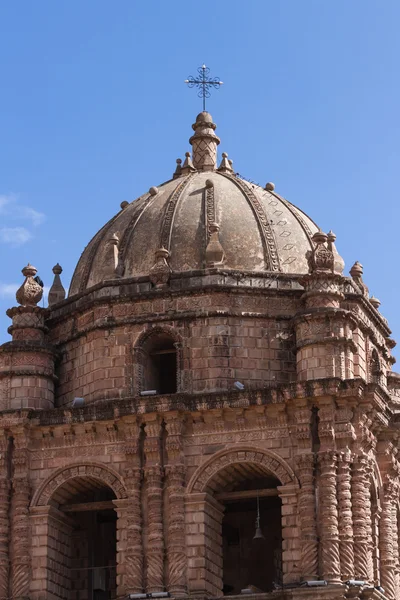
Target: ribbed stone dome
x: 205, y: 216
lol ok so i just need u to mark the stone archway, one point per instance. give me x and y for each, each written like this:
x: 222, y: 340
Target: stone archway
x: 61, y: 476
x: 266, y: 459
x: 205, y: 508
x: 76, y: 516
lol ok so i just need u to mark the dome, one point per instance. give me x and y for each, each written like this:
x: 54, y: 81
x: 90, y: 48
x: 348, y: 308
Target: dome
x: 206, y: 216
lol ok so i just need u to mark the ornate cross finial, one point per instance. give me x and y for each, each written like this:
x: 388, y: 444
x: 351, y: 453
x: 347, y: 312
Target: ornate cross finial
x: 204, y: 83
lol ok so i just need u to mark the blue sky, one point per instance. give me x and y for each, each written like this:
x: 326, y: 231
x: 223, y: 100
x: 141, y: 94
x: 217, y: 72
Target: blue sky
x: 93, y: 111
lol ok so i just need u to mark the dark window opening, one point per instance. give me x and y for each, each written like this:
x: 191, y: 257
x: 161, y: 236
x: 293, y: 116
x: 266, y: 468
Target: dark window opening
x: 248, y: 563
x: 93, y: 557
x: 160, y: 365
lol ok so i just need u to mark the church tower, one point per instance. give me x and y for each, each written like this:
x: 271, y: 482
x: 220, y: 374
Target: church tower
x: 211, y: 411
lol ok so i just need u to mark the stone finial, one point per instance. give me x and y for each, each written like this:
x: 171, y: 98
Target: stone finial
x: 153, y: 191
x: 187, y: 166
x: 375, y: 302
x: 338, y: 260
x: 214, y: 252
x: 225, y: 166
x: 204, y: 143
x: 160, y: 272
x: 30, y: 292
x: 321, y: 258
x: 209, y: 183
x: 178, y: 170
x: 269, y: 186
x: 356, y: 273
x: 57, y: 291
x: 124, y: 204
x: 356, y: 270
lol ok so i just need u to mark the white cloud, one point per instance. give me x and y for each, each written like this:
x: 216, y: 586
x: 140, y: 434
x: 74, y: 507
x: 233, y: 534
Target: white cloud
x: 12, y: 210
x: 8, y: 289
x: 15, y: 236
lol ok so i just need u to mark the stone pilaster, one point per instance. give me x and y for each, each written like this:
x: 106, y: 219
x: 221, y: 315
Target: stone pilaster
x: 395, y: 533
x: 20, y: 525
x: 177, y: 561
x: 154, y: 475
x: 345, y: 515
x: 176, y: 472
x: 132, y: 511
x: 362, y: 519
x: 388, y: 533
x: 307, y: 515
x: 4, y: 519
x: 20, y: 538
x: 133, y: 559
x: 328, y: 517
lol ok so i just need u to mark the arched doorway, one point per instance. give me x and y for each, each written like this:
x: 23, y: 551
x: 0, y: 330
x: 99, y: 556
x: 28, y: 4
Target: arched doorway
x: 88, y: 503
x: 251, y: 530
x: 236, y: 499
x: 74, y: 524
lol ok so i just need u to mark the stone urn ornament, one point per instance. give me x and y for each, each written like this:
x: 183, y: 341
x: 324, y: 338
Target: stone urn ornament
x: 30, y: 292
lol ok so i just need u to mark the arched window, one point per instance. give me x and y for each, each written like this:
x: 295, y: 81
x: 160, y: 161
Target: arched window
x: 159, y: 363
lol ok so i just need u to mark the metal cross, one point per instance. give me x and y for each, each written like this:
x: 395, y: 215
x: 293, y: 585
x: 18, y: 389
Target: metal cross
x: 204, y: 83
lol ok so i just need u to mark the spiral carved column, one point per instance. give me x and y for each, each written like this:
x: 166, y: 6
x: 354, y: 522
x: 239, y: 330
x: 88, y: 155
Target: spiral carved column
x: 328, y: 517
x: 395, y: 529
x: 176, y: 530
x: 307, y: 514
x: 155, y: 545
x: 4, y: 536
x: 346, y: 545
x: 134, y: 547
x: 362, y: 519
x: 386, y: 542
x: 20, y: 558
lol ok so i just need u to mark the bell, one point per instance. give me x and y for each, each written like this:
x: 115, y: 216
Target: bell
x: 258, y: 534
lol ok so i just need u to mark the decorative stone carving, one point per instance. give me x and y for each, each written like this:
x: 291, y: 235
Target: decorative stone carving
x: 178, y: 170
x: 225, y: 166
x: 356, y: 273
x: 176, y: 550
x: 20, y: 538
x: 4, y: 535
x: 307, y: 515
x: 345, y: 514
x: 134, y: 547
x: 204, y: 142
x: 328, y: 517
x: 57, y: 291
x: 187, y: 166
x: 214, y: 251
x: 111, y: 258
x: 362, y: 519
x: 154, y: 475
x: 388, y: 534
x: 155, y: 537
x: 30, y: 292
x: 321, y: 258
x: 160, y: 272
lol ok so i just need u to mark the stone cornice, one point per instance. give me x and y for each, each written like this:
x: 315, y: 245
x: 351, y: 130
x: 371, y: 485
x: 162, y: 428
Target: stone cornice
x: 186, y: 403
